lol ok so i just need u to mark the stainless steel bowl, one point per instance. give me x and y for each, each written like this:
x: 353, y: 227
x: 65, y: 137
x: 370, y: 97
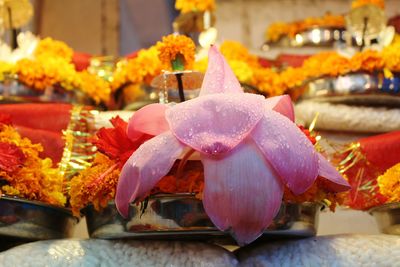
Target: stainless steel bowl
x: 182, y: 216
x: 388, y: 218
x: 357, y: 88
x: 317, y: 36
x: 32, y: 220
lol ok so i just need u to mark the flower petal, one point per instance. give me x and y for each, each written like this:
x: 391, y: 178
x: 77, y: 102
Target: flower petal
x: 288, y: 150
x: 145, y: 168
x: 242, y: 192
x: 282, y: 104
x: 336, y: 182
x: 149, y: 120
x: 214, y: 124
x: 219, y: 77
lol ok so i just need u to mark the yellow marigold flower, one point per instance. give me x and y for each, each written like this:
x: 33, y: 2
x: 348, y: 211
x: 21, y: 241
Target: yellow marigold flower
x: 242, y: 70
x: 37, y: 179
x: 6, y: 68
x: 96, y: 185
x: 391, y: 56
x: 201, y: 65
x: 359, y: 3
x: 52, y: 48
x: 176, y: 47
x: 233, y: 50
x: 389, y: 184
x: 186, y: 6
x: 95, y: 87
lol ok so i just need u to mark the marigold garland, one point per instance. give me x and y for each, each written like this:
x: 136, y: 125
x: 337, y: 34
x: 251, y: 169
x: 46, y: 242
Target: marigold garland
x: 186, y: 6
x: 141, y: 69
x: 173, y: 46
x: 359, y: 3
x: 49, y: 47
x: 389, y: 184
x: 278, y: 30
x: 36, y: 179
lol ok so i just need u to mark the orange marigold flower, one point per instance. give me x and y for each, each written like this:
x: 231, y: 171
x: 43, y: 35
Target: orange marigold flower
x: 359, y: 3
x: 186, y: 6
x: 368, y: 60
x: 97, y: 184
x: 35, y: 179
x: 389, y: 184
x: 176, y: 47
x: 95, y: 87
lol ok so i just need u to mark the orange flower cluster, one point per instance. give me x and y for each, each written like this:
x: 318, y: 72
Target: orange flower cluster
x: 141, y: 69
x: 378, y: 3
x: 174, y: 47
x: 35, y: 179
x: 52, y: 48
x: 278, y: 30
x: 331, y: 64
x: 389, y: 184
x: 52, y: 66
x: 186, y: 6
x: 96, y: 185
x: 94, y: 86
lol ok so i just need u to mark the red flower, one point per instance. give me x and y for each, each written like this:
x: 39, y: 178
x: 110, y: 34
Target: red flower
x: 11, y: 157
x: 115, y: 143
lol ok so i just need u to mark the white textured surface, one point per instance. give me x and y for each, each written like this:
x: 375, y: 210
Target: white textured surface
x: 340, y: 117
x: 345, y: 250
x: 91, y: 253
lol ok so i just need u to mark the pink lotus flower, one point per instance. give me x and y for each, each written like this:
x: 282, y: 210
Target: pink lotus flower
x: 249, y: 146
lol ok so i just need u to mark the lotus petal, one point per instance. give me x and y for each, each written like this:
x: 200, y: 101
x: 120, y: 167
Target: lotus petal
x: 288, y: 150
x: 145, y: 168
x: 214, y: 124
x: 149, y: 120
x: 219, y: 77
x: 335, y: 181
x: 242, y: 192
x: 282, y: 104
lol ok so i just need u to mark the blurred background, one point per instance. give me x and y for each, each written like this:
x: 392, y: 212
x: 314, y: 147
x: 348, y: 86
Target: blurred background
x: 119, y: 27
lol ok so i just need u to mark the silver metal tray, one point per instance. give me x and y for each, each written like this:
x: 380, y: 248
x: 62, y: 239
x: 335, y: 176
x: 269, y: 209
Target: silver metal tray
x: 317, y: 36
x: 357, y: 88
x: 12, y: 91
x: 32, y: 220
x: 388, y: 218
x: 182, y: 216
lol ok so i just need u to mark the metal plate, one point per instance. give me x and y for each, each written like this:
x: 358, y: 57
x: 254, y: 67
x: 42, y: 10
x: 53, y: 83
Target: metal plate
x: 22, y: 219
x: 317, y: 36
x: 13, y: 92
x: 358, y: 88
x: 388, y: 218
x: 182, y: 216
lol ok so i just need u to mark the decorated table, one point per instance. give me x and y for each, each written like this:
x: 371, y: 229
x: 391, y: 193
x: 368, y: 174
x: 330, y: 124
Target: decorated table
x: 195, y: 153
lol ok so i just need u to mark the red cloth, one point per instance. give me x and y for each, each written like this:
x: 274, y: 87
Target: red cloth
x: 383, y: 151
x: 41, y: 123
x: 291, y: 60
x: 379, y: 153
